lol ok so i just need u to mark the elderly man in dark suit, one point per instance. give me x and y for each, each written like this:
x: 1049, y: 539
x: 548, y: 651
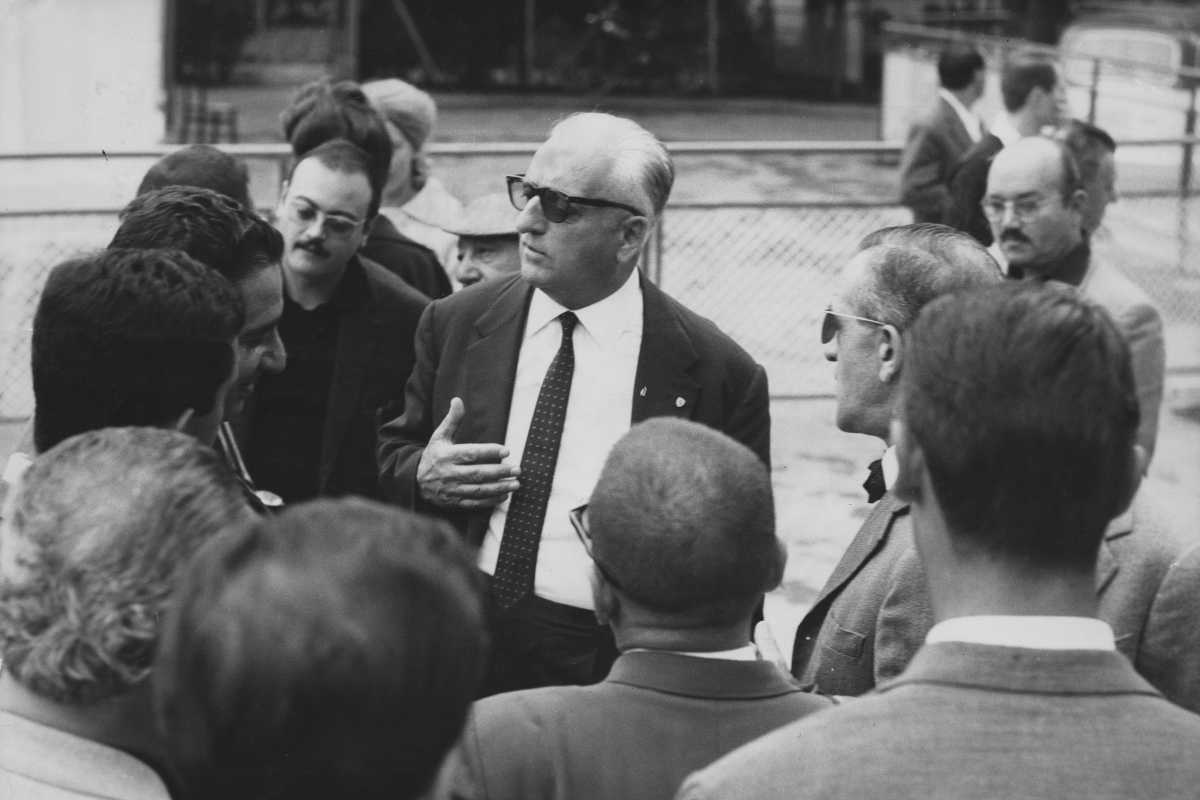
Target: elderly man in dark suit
x: 681, y: 528
x: 522, y: 385
x: 1019, y: 689
x: 348, y: 326
x: 942, y: 135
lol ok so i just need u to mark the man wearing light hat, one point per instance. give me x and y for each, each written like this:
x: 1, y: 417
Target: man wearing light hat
x: 417, y: 204
x: 488, y: 244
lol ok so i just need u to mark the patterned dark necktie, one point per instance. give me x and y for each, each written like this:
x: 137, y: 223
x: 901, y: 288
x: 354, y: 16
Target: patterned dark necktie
x: 517, y: 561
x: 874, y: 484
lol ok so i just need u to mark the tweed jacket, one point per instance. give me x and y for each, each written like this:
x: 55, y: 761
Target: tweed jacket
x: 467, y: 346
x: 936, y: 142
x: 657, y: 717
x: 874, y: 611
x: 979, y: 721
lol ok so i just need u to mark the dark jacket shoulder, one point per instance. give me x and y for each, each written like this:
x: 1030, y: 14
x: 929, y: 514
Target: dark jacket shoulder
x: 409, y: 260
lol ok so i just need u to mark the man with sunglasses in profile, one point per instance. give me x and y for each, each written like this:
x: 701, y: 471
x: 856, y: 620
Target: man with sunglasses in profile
x: 348, y: 327
x: 522, y: 385
x: 852, y: 636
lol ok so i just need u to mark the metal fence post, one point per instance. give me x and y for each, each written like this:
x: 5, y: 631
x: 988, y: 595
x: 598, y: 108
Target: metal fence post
x: 1093, y: 91
x: 1189, y: 130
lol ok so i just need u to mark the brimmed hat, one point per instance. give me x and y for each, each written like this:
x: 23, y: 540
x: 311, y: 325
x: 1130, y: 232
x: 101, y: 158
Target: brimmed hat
x: 490, y: 215
x: 405, y: 106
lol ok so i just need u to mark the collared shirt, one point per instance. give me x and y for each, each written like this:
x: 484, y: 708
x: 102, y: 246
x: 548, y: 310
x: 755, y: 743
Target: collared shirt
x: 606, y: 342
x: 969, y: 120
x: 1032, y: 632
x: 283, y: 450
x: 891, y: 467
x: 748, y: 652
x: 1070, y: 268
x: 1004, y: 129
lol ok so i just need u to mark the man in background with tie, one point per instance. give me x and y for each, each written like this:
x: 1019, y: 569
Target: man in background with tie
x: 522, y: 385
x: 895, y: 273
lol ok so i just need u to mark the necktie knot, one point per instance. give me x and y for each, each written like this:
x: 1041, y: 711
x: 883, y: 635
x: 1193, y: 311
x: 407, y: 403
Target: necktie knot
x: 568, y: 321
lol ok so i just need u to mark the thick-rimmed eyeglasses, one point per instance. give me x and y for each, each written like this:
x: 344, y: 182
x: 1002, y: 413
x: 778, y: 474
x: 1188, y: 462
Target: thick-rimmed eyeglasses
x: 1023, y: 208
x: 579, y: 522
x: 556, y: 205
x: 829, y: 323
x: 304, y: 213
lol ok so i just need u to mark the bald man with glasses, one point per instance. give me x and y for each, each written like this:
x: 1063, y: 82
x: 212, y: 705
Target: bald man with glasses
x: 522, y: 385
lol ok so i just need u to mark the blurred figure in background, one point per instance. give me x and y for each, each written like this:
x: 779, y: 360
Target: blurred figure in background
x: 942, y: 135
x: 329, y: 651
x: 102, y: 524
x: 1094, y: 152
x: 488, y: 242
x: 204, y: 166
x: 322, y: 111
x: 414, y: 200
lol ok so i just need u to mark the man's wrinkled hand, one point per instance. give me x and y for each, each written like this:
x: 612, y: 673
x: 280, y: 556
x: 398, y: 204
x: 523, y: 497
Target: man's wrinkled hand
x: 464, y: 475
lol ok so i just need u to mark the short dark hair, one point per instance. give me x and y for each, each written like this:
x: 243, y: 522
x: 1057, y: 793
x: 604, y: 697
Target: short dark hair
x: 332, y: 650
x: 129, y: 337
x: 905, y: 278
x: 343, y: 156
x: 206, y: 225
x: 324, y: 110
x: 1021, y: 74
x: 958, y: 65
x: 1087, y: 144
x: 683, y: 517
x: 204, y: 166
x: 1021, y: 398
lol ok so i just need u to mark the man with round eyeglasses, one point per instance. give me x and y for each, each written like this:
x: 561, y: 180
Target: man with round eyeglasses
x: 522, y: 385
x: 348, y: 326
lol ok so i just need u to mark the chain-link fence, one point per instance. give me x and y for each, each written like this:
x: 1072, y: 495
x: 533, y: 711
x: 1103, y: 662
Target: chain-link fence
x: 763, y: 271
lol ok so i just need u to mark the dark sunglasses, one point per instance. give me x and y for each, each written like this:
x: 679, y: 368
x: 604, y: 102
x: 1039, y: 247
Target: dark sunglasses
x: 555, y: 204
x: 829, y: 323
x: 578, y: 516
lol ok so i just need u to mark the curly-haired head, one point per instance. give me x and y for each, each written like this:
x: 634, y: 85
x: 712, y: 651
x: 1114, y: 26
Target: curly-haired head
x: 99, y: 528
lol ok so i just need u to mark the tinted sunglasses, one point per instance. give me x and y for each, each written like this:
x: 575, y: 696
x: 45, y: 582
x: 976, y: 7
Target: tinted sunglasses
x: 555, y: 204
x: 578, y: 516
x: 829, y: 323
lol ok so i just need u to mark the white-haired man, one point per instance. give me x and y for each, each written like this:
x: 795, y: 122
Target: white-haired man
x: 522, y: 385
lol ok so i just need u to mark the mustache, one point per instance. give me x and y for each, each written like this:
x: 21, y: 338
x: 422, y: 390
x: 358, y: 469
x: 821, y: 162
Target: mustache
x: 1012, y: 235
x: 313, y: 247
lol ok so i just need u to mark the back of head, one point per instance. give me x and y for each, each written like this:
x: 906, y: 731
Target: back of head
x: 329, y: 651
x: 323, y: 110
x: 341, y: 155
x: 203, y: 223
x: 683, y: 519
x: 1022, y: 73
x: 410, y: 109
x: 100, y: 526
x: 1088, y: 144
x: 1021, y: 398
x: 958, y: 65
x: 130, y: 337
x: 913, y: 264
x: 640, y: 159
x: 204, y: 166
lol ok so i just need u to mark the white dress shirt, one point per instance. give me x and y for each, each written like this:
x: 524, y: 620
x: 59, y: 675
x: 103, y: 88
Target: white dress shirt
x: 890, y: 465
x: 1032, y: 632
x: 606, y: 342
x: 968, y: 118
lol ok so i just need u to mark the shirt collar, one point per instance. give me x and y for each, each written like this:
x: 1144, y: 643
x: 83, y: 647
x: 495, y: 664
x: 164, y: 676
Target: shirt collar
x: 748, y: 652
x: 1070, y: 268
x: 891, y: 467
x: 1031, y: 632
x: 1004, y: 129
x: 968, y: 119
x: 605, y: 319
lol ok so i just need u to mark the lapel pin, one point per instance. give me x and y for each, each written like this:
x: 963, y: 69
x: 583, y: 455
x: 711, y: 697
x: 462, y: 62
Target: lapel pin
x: 679, y: 401
x: 642, y: 393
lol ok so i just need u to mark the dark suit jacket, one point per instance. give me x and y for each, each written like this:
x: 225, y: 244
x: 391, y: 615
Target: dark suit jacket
x: 374, y: 358
x: 410, y: 261
x: 979, y: 721
x: 968, y: 184
x: 657, y: 717
x: 874, y: 612
x: 935, y: 144
x: 467, y: 346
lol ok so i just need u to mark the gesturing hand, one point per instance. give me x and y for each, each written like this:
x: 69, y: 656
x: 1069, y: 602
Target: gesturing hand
x: 463, y: 475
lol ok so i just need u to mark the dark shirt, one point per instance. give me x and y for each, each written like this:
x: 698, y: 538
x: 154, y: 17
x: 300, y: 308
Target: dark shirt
x: 286, y: 434
x: 1070, y: 269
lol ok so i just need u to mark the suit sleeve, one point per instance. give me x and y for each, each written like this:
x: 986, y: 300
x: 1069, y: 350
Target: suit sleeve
x: 1169, y: 656
x: 402, y: 440
x: 1143, y: 329
x: 922, y: 180
x: 904, y: 618
x: 750, y: 422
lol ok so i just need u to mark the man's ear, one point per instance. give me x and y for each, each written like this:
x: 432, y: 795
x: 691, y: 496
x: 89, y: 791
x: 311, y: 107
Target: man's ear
x: 1134, y: 472
x: 420, y: 171
x: 1076, y: 201
x: 634, y: 232
x: 911, y: 460
x: 890, y: 351
x: 605, y: 600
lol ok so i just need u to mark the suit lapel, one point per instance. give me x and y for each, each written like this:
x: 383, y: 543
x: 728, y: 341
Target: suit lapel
x: 956, y: 129
x: 356, y: 343
x: 663, y: 385
x: 490, y: 365
x: 865, y: 542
